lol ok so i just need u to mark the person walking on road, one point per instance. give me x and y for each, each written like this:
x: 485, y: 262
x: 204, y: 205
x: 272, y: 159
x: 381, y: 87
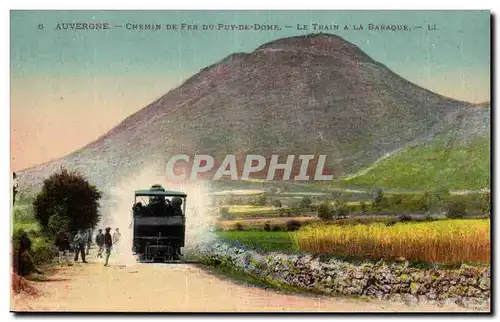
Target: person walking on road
x: 116, y: 240
x: 80, y: 241
x: 116, y: 245
x: 63, y: 246
x: 99, y: 240
x: 108, y: 243
x: 89, y: 240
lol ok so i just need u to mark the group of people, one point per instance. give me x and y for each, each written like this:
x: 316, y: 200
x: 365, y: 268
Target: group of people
x: 106, y: 242
x: 81, y: 242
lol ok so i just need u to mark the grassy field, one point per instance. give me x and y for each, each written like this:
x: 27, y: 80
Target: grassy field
x: 23, y: 218
x: 435, y: 164
x: 251, y: 210
x: 442, y: 241
x: 267, y: 241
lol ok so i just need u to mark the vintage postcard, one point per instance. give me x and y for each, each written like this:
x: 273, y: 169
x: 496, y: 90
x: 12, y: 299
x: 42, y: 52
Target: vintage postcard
x: 250, y: 161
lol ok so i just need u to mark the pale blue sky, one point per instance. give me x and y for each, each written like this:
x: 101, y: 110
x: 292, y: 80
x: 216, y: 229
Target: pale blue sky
x: 462, y: 40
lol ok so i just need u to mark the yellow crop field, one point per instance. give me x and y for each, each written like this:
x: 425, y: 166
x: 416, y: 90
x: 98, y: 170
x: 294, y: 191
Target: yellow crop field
x: 242, y: 209
x: 442, y: 241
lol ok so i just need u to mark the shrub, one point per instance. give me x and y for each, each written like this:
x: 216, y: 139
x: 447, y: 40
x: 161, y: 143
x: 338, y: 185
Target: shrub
x: 267, y: 226
x: 305, y: 202
x: 455, y: 209
x: 405, y: 218
x: 24, y: 214
x: 429, y: 218
x: 276, y: 228
x: 425, y: 202
x: 437, y: 199
x: 22, y: 260
x: 313, y: 208
x: 486, y: 202
x: 284, y: 212
x: 293, y: 225
x: 238, y: 227
x: 378, y: 197
x: 43, y: 250
x: 341, y: 210
x: 295, y: 210
x: 277, y: 203
x: 391, y: 222
x: 224, y: 213
x: 324, y: 211
x: 397, y: 199
x: 260, y: 200
x: 362, y: 204
x: 68, y: 195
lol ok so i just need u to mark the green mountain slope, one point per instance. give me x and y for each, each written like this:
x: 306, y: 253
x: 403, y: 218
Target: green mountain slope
x: 457, y: 166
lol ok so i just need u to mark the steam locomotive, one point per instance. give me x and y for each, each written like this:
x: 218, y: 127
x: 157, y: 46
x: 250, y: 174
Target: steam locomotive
x: 158, y: 224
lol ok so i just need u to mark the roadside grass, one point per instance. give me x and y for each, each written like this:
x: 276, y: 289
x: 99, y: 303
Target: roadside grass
x: 262, y: 240
x: 23, y: 219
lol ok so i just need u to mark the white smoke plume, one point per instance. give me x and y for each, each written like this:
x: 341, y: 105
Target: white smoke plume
x: 117, y: 205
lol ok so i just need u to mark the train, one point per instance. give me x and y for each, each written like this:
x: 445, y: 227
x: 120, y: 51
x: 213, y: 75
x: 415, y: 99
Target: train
x: 159, y: 224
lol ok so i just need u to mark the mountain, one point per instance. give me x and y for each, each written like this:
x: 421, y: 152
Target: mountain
x: 315, y: 94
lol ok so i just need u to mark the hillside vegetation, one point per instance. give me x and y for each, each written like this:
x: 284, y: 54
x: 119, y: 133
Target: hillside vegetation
x: 436, y: 163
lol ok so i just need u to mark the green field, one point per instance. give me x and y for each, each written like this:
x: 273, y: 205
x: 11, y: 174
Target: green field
x: 23, y: 218
x: 431, y: 165
x: 267, y: 241
x: 251, y: 210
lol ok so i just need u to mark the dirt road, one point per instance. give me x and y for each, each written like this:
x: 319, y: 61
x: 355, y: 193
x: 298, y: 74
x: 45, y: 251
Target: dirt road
x: 177, y: 288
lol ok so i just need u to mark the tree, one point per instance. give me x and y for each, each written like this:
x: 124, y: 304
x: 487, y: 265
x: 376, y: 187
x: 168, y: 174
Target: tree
x: 324, y: 211
x: 239, y: 227
x: 397, y: 199
x: 305, y: 202
x: 378, y: 197
x: 293, y: 225
x: 341, y: 209
x: 424, y: 202
x: 70, y: 197
x: 272, y: 190
x: 455, y: 209
x: 362, y: 204
x: 56, y: 223
x: 295, y: 209
x: 379, y: 200
x: 277, y: 203
x: 438, y: 198
x: 486, y: 202
x: 224, y: 213
x: 261, y: 200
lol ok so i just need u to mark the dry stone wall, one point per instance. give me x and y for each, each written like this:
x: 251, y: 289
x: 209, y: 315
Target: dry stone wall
x: 467, y: 286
